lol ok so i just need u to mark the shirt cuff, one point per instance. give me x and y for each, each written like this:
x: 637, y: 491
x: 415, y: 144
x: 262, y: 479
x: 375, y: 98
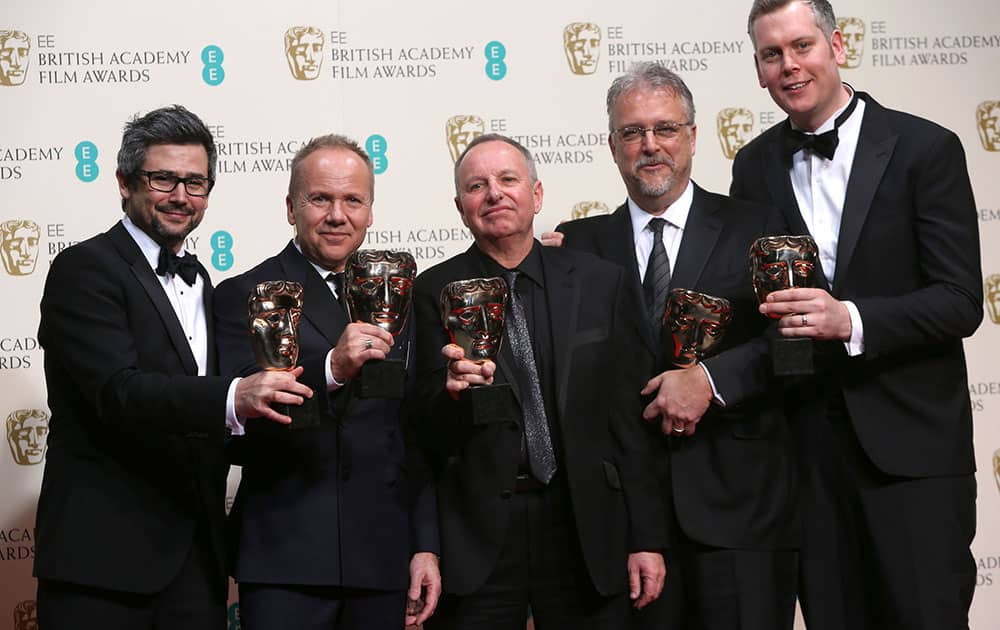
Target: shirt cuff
x: 856, y: 344
x: 715, y: 393
x: 332, y: 384
x: 233, y: 422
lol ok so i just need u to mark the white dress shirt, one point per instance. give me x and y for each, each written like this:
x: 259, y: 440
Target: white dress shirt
x: 820, y: 187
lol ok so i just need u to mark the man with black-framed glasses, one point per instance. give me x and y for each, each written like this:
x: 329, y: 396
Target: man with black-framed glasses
x: 132, y: 507
x: 724, y: 454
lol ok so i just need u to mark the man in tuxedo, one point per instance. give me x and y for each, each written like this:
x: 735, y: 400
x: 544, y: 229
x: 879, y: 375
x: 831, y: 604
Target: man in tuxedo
x: 132, y: 506
x: 333, y: 525
x: 885, y: 427
x: 724, y: 449
x: 547, y: 500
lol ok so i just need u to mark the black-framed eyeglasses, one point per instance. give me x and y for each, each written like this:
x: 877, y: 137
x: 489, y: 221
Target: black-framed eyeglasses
x: 165, y: 181
x: 662, y: 131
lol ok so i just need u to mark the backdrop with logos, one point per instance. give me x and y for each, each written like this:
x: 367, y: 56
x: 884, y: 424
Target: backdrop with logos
x: 414, y: 82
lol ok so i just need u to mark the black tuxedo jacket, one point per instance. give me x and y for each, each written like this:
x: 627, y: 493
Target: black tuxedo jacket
x: 603, y: 455
x: 732, y: 481
x: 135, y: 451
x: 908, y: 257
x: 343, y: 504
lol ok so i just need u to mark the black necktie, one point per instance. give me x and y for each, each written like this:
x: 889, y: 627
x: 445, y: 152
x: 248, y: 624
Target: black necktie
x: 337, y: 279
x: 541, y: 457
x: 824, y: 144
x: 171, y: 264
x: 657, y: 280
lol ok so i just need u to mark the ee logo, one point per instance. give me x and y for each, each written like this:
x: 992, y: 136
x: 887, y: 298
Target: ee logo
x: 86, y: 161
x: 233, y: 617
x: 376, y: 146
x: 213, y: 73
x: 495, y: 53
x: 222, y: 250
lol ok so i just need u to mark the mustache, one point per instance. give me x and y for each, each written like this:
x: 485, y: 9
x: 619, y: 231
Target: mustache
x: 650, y: 160
x: 172, y: 207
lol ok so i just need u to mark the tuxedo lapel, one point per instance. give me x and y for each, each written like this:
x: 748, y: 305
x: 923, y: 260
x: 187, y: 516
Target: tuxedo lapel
x: 562, y: 284
x: 875, y: 147
x: 318, y: 304
x: 140, y: 268
x: 206, y: 298
x: 701, y: 232
x: 779, y: 182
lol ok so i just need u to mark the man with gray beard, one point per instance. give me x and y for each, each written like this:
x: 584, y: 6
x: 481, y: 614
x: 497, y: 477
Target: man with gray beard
x: 724, y: 456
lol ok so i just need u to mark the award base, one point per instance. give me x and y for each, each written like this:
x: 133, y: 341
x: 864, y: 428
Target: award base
x: 382, y: 379
x: 792, y: 356
x: 492, y: 403
x: 304, y: 416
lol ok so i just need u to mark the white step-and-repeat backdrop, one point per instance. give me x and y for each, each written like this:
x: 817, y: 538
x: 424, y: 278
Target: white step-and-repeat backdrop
x: 413, y: 81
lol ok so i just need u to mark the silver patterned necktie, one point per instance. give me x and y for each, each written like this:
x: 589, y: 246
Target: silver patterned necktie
x: 541, y: 457
x: 657, y: 280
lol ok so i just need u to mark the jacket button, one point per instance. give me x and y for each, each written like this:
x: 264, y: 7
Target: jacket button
x: 506, y: 494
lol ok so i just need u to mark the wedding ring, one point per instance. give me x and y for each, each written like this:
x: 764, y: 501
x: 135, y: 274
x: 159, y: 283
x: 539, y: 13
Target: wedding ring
x: 368, y: 343
x: 678, y: 429
x: 805, y: 320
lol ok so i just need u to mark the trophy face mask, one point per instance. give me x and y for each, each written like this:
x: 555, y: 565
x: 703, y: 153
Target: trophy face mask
x: 379, y: 288
x: 473, y: 311
x: 275, y: 309
x: 694, y: 324
x: 782, y: 262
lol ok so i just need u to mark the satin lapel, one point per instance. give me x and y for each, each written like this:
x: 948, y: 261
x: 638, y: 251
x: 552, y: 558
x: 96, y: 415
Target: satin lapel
x: 562, y: 282
x: 206, y: 298
x: 151, y: 285
x: 701, y: 232
x: 875, y: 148
x: 318, y: 303
x: 779, y: 182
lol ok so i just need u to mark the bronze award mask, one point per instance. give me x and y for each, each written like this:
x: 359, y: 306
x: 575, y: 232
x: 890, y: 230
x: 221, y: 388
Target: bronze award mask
x: 784, y: 262
x: 693, y: 326
x: 379, y: 286
x: 473, y: 311
x: 274, y: 310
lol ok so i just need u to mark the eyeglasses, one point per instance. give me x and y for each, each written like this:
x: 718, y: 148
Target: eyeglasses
x: 165, y: 181
x: 662, y: 131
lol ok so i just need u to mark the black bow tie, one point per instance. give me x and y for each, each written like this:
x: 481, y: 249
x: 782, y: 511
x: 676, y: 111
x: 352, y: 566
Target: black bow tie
x: 824, y: 144
x: 184, y: 266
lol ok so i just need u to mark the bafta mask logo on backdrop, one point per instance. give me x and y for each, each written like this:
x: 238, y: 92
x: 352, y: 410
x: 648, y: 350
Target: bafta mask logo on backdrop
x: 582, y: 44
x: 853, y: 30
x: 304, y: 51
x: 460, y: 130
x: 735, y: 129
x: 996, y: 468
x: 26, y: 615
x: 19, y: 246
x: 14, y: 49
x: 988, y: 123
x: 588, y: 209
x: 991, y: 293
x: 27, y: 435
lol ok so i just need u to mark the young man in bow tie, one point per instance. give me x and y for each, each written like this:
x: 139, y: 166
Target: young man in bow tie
x: 885, y: 426
x: 131, y: 511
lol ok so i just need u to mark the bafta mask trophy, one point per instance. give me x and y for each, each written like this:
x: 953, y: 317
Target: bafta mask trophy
x: 379, y: 288
x: 783, y: 262
x: 275, y: 308
x: 693, y: 326
x: 473, y: 312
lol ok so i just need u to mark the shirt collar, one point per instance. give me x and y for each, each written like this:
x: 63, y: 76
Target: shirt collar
x: 676, y: 214
x: 829, y: 122
x: 320, y: 270
x: 530, y: 267
x: 150, y: 248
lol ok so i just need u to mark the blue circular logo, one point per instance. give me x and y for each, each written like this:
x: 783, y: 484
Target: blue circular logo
x: 376, y: 147
x: 496, y: 68
x: 222, y: 250
x: 213, y: 73
x: 86, y: 161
